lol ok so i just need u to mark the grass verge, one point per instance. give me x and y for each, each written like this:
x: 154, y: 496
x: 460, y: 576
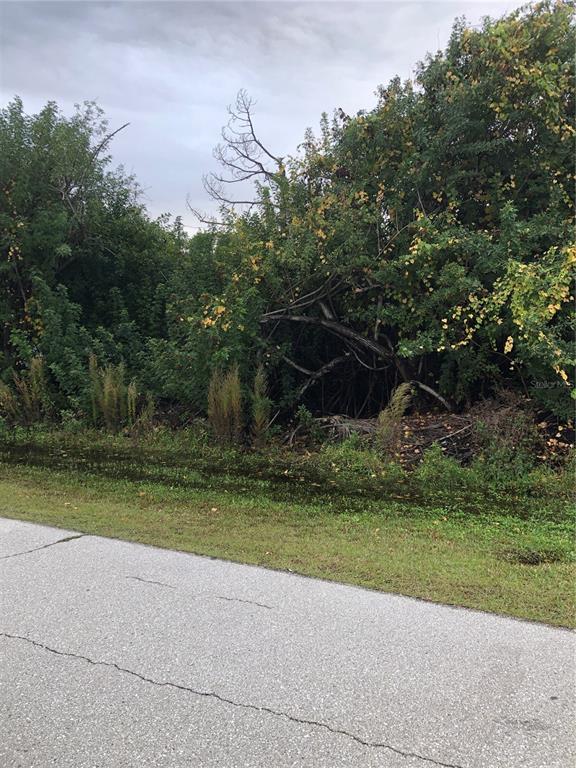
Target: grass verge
x: 485, y: 559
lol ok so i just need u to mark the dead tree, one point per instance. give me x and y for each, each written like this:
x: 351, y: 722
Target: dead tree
x: 243, y: 158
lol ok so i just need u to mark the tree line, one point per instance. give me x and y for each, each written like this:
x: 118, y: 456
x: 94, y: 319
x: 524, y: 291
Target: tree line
x: 428, y: 241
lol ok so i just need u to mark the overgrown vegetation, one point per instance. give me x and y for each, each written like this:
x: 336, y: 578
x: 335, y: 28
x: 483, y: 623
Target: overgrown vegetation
x: 27, y: 402
x: 427, y: 241
x: 391, y: 319
x: 115, y: 404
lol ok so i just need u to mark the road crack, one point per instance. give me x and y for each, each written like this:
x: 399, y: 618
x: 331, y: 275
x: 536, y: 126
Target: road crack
x: 151, y: 581
x: 44, y: 546
x: 213, y: 597
x: 239, y: 600
x: 231, y: 702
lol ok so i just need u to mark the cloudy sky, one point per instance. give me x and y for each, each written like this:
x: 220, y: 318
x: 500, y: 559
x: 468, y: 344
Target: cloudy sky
x: 171, y: 68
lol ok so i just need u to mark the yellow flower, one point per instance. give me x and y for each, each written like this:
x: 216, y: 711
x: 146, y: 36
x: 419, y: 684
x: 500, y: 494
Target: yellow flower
x: 220, y: 309
x: 509, y: 344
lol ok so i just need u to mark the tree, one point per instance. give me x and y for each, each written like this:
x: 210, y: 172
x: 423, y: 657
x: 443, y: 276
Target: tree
x: 82, y: 265
x: 387, y: 250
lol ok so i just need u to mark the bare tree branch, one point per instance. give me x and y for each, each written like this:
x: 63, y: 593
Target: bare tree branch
x: 433, y: 393
x: 204, y: 218
x: 339, y: 329
x: 242, y: 154
x: 106, y: 140
x: 326, y: 290
x: 314, y: 376
x: 297, y: 367
x: 365, y: 365
x: 215, y: 189
x: 352, y: 337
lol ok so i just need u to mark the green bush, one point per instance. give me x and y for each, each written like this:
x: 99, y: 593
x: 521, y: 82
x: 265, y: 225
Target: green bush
x: 505, y: 435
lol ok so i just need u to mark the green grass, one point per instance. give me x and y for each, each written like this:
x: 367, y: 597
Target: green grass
x: 340, y: 515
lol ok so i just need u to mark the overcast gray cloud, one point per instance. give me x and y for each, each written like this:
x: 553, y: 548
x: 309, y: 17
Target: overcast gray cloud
x: 170, y: 69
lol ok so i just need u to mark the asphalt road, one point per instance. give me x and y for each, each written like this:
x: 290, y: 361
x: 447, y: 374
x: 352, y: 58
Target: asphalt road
x: 115, y: 654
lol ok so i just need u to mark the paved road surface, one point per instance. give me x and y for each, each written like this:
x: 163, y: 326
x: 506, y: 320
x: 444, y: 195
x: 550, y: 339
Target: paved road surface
x: 115, y: 654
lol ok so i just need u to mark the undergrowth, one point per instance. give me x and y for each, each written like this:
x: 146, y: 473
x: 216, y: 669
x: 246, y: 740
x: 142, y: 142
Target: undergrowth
x: 342, y: 473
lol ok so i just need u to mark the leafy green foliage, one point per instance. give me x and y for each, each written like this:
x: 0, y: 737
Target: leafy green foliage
x: 428, y: 241
x: 437, y: 227
x: 81, y: 264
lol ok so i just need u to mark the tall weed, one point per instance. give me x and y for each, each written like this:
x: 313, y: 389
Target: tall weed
x: 390, y: 419
x: 225, y: 405
x: 115, y: 404
x: 261, y: 407
x: 28, y: 402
